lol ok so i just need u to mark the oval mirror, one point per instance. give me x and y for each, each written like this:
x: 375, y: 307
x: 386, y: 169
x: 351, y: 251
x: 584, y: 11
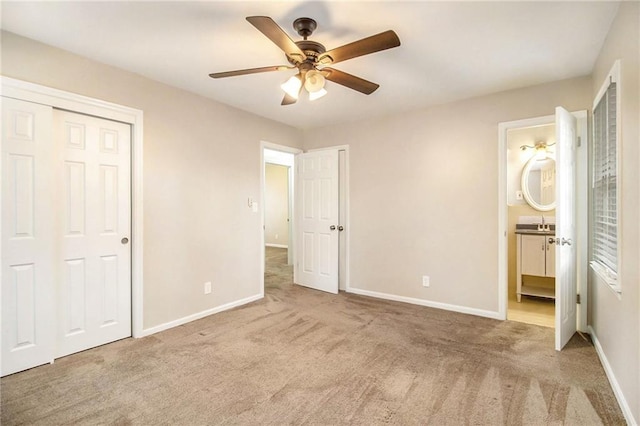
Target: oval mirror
x: 539, y: 183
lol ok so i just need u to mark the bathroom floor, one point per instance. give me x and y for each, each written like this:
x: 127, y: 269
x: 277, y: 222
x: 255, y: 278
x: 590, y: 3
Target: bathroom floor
x: 532, y: 310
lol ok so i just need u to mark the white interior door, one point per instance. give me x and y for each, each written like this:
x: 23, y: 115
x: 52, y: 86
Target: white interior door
x: 94, y: 226
x: 27, y: 236
x: 317, y: 209
x: 566, y: 254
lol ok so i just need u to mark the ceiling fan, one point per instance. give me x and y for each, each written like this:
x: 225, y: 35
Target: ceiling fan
x: 312, y: 59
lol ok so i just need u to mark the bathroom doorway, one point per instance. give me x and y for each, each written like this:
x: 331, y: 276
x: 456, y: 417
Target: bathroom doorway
x: 531, y: 224
x: 527, y: 222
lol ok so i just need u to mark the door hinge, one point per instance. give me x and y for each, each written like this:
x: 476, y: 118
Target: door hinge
x: 578, y: 299
x: 579, y: 141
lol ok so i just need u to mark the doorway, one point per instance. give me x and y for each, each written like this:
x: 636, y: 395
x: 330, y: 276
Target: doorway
x: 277, y: 218
x: 511, y: 190
x: 531, y: 259
x: 274, y: 249
x: 277, y: 186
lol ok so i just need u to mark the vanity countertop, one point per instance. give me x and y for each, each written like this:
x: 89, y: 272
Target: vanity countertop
x: 532, y: 229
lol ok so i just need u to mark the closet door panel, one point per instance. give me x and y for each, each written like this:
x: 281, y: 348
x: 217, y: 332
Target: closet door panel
x: 28, y: 236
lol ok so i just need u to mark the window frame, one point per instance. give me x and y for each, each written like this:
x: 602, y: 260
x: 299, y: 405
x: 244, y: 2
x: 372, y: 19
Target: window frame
x: 606, y: 275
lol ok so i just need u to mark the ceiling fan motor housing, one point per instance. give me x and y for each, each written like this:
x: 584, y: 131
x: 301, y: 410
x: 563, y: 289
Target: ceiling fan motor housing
x: 311, y: 49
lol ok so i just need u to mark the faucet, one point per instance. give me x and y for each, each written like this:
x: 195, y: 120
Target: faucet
x: 542, y: 226
x: 545, y: 226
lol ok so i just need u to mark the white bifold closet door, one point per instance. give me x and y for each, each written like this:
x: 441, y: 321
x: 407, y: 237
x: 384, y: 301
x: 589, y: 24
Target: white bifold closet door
x: 28, y: 230
x: 94, y: 225
x: 66, y: 220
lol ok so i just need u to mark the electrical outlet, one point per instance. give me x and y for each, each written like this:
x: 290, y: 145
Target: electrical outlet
x: 276, y: 236
x: 207, y: 287
x: 425, y: 281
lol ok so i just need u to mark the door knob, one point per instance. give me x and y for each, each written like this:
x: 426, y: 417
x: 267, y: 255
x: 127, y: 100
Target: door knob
x: 552, y: 240
x: 340, y: 228
x: 566, y: 241
x: 332, y: 227
x: 125, y: 240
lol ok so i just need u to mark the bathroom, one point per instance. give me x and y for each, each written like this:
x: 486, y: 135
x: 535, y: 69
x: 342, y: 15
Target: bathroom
x: 531, y: 206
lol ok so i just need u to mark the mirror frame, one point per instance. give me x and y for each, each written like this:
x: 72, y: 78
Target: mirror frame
x: 524, y: 184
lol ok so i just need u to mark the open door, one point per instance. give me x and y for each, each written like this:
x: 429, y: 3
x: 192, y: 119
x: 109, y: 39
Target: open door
x: 566, y: 253
x: 317, y: 209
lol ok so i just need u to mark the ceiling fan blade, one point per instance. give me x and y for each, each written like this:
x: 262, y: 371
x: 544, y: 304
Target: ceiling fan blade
x: 249, y: 71
x: 375, y: 43
x: 350, y: 81
x: 269, y: 28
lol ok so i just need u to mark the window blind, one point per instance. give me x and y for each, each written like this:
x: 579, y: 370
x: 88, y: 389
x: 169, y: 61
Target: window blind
x: 605, y: 182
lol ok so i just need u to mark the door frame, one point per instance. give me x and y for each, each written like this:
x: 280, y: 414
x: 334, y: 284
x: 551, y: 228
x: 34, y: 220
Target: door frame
x: 582, y: 187
x: 292, y: 175
x: 283, y: 148
x: 60, y: 99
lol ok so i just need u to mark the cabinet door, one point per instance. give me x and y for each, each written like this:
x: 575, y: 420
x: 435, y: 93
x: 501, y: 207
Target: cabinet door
x: 532, y: 254
x: 551, y: 259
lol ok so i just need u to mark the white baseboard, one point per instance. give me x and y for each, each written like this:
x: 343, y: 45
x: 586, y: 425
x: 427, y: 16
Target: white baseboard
x: 622, y: 402
x: 428, y: 303
x: 276, y: 245
x: 196, y: 316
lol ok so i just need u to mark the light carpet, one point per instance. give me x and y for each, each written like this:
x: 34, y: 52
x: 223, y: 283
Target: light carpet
x: 301, y: 356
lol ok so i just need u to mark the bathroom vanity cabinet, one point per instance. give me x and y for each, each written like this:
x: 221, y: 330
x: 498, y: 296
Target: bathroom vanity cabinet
x: 536, y: 257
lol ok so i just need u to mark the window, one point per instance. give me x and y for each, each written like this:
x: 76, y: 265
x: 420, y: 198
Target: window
x: 604, y: 231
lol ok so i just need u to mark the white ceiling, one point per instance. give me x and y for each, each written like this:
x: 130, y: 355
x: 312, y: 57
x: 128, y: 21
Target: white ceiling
x: 450, y: 50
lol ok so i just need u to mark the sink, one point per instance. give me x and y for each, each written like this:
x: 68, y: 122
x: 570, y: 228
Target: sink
x: 536, y: 228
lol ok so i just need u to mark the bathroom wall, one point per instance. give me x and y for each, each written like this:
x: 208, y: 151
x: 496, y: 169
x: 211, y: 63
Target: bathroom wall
x: 517, y: 158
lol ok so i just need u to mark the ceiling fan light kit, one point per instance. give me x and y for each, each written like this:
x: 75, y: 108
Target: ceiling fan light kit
x: 311, y: 59
x: 292, y: 86
x: 314, y: 81
x: 317, y: 95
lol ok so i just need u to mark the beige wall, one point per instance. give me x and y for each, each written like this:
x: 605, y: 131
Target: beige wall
x: 201, y: 163
x: 616, y: 320
x: 276, y: 204
x: 424, y: 193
